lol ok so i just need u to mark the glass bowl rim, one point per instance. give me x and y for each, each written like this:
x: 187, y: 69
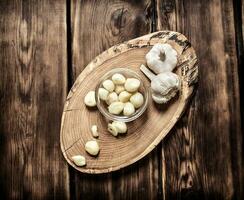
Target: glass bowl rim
x: 121, y: 118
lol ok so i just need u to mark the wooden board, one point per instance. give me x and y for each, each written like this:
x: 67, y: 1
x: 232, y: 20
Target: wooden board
x: 77, y: 119
x: 32, y: 92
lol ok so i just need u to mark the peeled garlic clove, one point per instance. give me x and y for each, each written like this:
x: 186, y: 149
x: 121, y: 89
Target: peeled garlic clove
x: 132, y: 84
x: 120, y: 126
x: 112, y: 97
x: 94, y: 131
x: 118, y: 78
x: 137, y: 99
x: 112, y: 129
x: 103, y: 94
x: 116, y: 107
x: 79, y: 160
x: 129, y: 109
x: 92, y: 147
x: 90, y: 99
x: 124, y: 96
x: 119, y: 89
x: 108, y: 85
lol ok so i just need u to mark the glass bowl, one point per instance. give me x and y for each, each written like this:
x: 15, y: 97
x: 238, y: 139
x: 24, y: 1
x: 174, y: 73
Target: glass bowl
x: 103, y: 107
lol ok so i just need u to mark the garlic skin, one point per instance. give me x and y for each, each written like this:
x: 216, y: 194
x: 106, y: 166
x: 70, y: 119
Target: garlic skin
x: 132, y: 84
x: 112, y: 97
x: 155, y: 61
x: 103, y: 94
x: 164, y: 86
x: 89, y: 99
x: 124, y: 96
x: 116, y: 107
x: 129, y: 109
x: 92, y: 147
x: 118, y: 78
x: 117, y: 127
x: 79, y: 160
x: 119, y: 89
x: 108, y: 85
x: 94, y: 131
x: 137, y: 100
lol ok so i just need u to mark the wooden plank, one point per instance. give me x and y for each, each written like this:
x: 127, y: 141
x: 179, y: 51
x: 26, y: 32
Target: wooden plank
x: 97, y: 25
x: 242, y: 11
x: 33, y: 87
x: 202, y: 155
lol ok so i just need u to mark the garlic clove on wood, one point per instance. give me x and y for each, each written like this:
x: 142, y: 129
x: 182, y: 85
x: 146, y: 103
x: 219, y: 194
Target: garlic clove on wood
x: 116, y: 107
x: 89, y: 99
x: 103, y: 94
x: 94, y: 131
x: 132, y: 84
x: 112, y: 97
x: 120, y: 126
x: 137, y: 100
x: 79, y: 160
x: 118, y: 78
x: 117, y: 127
x: 158, y: 64
x: 92, y: 147
x: 129, y: 109
x: 112, y: 129
x: 108, y: 85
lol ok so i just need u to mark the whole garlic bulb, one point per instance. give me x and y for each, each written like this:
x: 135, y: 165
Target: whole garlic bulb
x: 89, y: 99
x: 92, y: 147
x: 157, y: 63
x: 164, y: 86
x: 108, y: 85
x: 132, y: 84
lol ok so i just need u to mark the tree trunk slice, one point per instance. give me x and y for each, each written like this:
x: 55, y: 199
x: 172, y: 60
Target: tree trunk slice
x: 144, y: 133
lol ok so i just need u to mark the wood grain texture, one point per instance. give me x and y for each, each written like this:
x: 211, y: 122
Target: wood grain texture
x: 96, y: 26
x: 32, y: 91
x: 202, y: 156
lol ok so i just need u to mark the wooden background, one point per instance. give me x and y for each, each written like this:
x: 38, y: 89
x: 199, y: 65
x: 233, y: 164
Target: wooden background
x: 44, y: 45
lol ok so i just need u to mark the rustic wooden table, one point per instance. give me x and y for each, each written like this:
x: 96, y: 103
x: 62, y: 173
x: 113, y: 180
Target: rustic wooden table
x: 44, y: 45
